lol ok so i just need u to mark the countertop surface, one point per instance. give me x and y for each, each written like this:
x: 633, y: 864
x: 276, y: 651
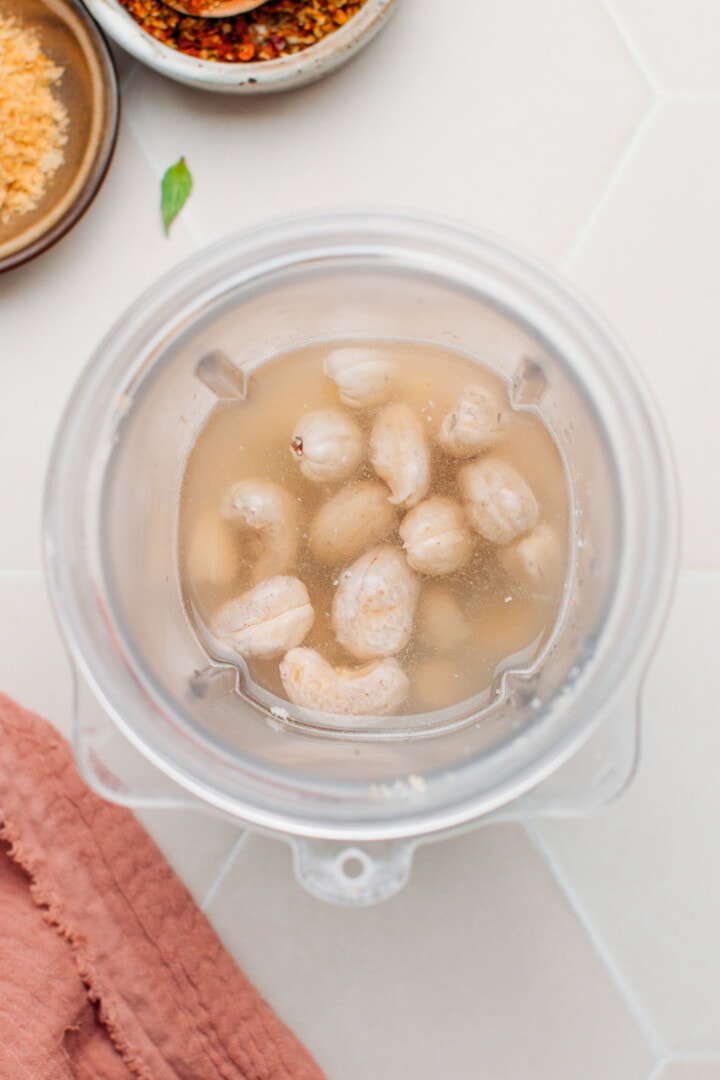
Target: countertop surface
x: 586, y: 132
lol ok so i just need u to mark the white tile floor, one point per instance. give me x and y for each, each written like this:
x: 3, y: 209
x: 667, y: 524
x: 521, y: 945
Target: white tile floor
x: 585, y: 131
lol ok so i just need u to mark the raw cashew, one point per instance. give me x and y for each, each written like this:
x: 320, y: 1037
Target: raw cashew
x: 267, y: 620
x: 435, y: 537
x: 376, y: 689
x: 212, y: 556
x: 358, y: 517
x: 374, y: 604
x: 537, y: 558
x: 272, y: 514
x: 498, y: 502
x: 440, y: 682
x: 364, y: 377
x: 328, y: 444
x: 474, y: 424
x: 508, y: 626
x: 400, y: 455
x: 442, y: 626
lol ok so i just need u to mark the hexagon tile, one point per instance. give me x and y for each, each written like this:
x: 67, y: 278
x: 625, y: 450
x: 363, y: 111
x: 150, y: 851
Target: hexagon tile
x: 588, y: 132
x: 650, y: 263
x: 678, y: 41
x: 485, y: 117
x: 478, y: 968
x: 644, y: 872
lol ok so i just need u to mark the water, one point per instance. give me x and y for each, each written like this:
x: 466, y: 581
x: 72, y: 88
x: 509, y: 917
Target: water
x: 468, y: 624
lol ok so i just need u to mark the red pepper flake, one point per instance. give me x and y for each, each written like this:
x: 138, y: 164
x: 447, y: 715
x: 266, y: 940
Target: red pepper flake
x: 277, y: 28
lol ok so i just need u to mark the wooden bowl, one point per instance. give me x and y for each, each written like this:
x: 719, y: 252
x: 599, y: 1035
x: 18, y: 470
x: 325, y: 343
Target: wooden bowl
x: 89, y: 92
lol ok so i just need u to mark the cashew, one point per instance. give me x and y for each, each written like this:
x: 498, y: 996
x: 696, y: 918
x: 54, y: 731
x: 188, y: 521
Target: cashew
x: 400, y: 455
x: 364, y: 377
x: 358, y: 517
x: 374, y: 604
x: 271, y: 513
x: 435, y: 537
x: 537, y: 559
x: 211, y: 556
x: 440, y: 682
x: 507, y: 626
x: 441, y: 623
x: 499, y: 504
x: 474, y: 424
x: 328, y: 444
x: 267, y: 620
x: 376, y: 689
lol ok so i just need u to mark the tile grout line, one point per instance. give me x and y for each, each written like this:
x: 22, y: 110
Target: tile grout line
x: 616, y: 173
x: 129, y: 76
x: 622, y: 986
x: 222, y: 871
x: 631, y: 47
x: 188, y: 220
x: 657, y: 1069
x: 645, y: 68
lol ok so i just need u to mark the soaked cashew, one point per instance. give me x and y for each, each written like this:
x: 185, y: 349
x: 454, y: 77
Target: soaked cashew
x: 358, y: 517
x: 400, y: 455
x: 442, y: 626
x: 435, y: 537
x: 212, y: 556
x: 374, y: 604
x: 376, y: 689
x: 440, y: 682
x: 364, y: 377
x: 474, y: 424
x: 267, y: 620
x: 538, y: 559
x: 498, y: 502
x: 507, y: 626
x: 328, y: 444
x: 271, y: 513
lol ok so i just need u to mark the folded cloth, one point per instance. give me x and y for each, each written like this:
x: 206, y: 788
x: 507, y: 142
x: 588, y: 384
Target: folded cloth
x: 108, y: 970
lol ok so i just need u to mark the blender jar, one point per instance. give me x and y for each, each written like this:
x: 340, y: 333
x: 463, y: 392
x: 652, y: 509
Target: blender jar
x: 158, y: 722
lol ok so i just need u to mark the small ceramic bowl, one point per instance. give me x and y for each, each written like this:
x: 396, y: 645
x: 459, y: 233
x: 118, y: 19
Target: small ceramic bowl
x: 255, y: 77
x: 88, y: 90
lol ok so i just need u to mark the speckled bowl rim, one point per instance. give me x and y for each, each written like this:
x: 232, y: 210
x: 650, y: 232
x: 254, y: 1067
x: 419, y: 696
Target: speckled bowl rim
x: 101, y: 144
x: 250, y: 78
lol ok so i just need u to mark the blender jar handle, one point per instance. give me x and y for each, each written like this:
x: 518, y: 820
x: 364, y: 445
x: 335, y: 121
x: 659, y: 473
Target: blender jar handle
x: 352, y: 874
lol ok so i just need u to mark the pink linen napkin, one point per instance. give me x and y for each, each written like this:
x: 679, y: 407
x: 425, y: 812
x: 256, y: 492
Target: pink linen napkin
x: 108, y: 970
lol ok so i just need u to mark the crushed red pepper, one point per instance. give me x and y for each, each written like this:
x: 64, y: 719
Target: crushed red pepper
x: 275, y: 29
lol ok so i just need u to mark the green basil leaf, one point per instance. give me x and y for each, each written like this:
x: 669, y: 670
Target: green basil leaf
x: 175, y: 188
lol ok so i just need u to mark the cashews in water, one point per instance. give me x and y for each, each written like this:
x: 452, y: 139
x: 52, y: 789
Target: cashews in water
x: 400, y: 454
x: 436, y: 537
x: 270, y: 512
x: 267, y: 620
x: 328, y: 444
x: 374, y: 604
x: 499, y: 504
x: 212, y: 556
x: 364, y: 377
x: 537, y: 558
x: 439, y: 682
x: 474, y: 424
x: 376, y: 689
x: 442, y: 626
x: 357, y: 517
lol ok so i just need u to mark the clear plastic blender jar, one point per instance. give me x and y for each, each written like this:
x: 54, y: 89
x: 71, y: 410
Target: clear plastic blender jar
x: 158, y: 722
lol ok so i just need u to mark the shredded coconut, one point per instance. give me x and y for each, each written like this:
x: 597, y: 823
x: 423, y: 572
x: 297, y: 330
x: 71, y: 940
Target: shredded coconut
x: 33, y: 123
